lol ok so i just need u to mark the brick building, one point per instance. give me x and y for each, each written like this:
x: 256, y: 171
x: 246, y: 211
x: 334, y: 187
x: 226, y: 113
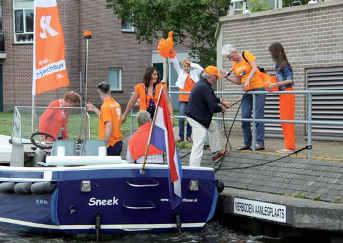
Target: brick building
x: 114, y: 53
x: 313, y: 39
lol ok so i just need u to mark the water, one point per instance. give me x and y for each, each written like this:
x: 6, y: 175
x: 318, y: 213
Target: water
x: 212, y: 233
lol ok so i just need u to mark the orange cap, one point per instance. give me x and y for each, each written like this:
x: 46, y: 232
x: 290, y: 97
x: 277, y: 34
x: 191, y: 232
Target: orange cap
x: 212, y: 70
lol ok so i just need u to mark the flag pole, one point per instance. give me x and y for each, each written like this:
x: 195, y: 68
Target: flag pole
x: 87, y: 35
x: 150, y: 133
x: 33, y: 102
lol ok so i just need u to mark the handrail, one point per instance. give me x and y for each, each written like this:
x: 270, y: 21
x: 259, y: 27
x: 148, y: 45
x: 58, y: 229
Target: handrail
x: 309, y: 93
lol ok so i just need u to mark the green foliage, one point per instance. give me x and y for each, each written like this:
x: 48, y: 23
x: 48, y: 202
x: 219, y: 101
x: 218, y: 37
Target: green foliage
x: 196, y: 19
x: 258, y: 5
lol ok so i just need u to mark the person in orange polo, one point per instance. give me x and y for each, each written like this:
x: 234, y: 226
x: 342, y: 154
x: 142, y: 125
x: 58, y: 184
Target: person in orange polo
x: 147, y: 92
x: 284, y: 74
x: 188, y: 75
x: 55, y: 118
x: 246, y: 73
x: 109, y: 120
x: 136, y: 145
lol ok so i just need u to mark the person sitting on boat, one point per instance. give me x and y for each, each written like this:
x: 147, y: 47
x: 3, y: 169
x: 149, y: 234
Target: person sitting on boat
x: 188, y: 75
x: 55, y: 118
x: 136, y: 145
x: 147, y: 91
x: 203, y: 103
x: 109, y: 120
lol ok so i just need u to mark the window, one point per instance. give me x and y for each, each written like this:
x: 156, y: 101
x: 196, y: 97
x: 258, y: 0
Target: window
x: 23, y: 21
x: 0, y: 16
x: 127, y: 26
x: 114, y: 78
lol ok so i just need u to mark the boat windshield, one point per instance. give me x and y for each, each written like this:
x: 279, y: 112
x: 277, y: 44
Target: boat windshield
x: 59, y: 122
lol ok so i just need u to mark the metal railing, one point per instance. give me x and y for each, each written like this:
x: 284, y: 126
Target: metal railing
x: 308, y: 121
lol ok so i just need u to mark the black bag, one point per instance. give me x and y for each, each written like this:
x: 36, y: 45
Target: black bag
x: 261, y: 69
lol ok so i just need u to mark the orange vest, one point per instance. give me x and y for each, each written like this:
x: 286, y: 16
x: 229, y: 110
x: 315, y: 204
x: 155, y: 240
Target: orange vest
x: 110, y: 112
x: 144, y: 98
x: 138, y: 140
x: 53, y: 120
x: 189, y: 84
x: 242, y: 70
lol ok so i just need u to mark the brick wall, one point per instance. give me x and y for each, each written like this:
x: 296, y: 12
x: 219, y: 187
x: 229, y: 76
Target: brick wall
x: 311, y: 35
x: 108, y: 48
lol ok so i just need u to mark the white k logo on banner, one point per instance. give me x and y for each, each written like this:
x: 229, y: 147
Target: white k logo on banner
x: 46, y: 28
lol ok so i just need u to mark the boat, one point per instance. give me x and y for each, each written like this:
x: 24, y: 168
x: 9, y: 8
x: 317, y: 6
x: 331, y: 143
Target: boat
x: 75, y: 188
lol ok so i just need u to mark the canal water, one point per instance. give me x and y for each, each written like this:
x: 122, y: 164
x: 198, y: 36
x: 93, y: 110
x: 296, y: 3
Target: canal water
x: 212, y: 233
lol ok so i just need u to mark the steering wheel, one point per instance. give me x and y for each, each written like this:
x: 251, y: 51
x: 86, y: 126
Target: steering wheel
x: 42, y: 140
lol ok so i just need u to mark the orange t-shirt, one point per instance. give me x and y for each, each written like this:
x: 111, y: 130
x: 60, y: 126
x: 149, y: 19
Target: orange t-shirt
x: 137, y: 143
x: 54, y: 120
x: 110, y: 112
x: 189, y: 84
x: 242, y: 70
x: 144, y: 98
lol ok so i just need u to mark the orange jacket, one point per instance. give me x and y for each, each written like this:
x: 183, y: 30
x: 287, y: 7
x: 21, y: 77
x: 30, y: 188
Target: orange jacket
x: 137, y: 142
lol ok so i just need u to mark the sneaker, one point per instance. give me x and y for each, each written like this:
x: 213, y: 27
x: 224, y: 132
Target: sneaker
x: 244, y: 147
x: 189, y: 139
x: 259, y: 147
x: 285, y: 151
x: 218, y: 156
x: 180, y: 140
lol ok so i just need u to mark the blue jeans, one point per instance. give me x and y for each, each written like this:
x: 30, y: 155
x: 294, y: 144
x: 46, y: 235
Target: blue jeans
x: 182, y: 110
x: 259, y: 114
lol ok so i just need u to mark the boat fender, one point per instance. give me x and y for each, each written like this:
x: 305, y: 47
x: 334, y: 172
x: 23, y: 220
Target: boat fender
x: 7, y: 187
x: 42, y: 187
x: 22, y: 187
x: 220, y: 186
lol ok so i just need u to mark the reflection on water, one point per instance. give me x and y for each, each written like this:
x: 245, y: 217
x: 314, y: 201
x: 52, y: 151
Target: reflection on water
x: 212, y: 233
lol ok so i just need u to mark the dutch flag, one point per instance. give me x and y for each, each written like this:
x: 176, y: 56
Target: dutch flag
x: 162, y: 137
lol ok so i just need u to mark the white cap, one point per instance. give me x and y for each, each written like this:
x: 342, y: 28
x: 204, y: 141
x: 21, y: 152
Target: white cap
x: 228, y: 49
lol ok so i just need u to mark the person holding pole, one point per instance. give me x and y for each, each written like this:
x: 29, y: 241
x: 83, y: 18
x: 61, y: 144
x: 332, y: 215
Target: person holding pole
x: 246, y: 73
x: 203, y: 103
x: 188, y: 75
x: 109, y: 120
x: 284, y: 74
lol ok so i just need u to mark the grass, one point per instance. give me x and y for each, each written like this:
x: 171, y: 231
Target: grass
x: 73, y: 125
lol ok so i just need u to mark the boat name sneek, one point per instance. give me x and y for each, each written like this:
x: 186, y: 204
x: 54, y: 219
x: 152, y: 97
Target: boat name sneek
x: 93, y: 201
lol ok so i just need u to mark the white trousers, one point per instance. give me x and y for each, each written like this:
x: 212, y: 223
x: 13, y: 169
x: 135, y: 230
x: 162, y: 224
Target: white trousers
x: 199, y: 135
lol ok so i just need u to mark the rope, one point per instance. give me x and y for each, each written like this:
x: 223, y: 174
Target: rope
x: 265, y: 163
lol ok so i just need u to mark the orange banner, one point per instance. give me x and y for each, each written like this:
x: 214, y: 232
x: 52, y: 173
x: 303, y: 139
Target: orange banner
x: 49, y: 67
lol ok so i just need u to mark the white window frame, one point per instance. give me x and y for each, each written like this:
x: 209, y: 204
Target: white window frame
x: 120, y: 78
x: 131, y: 28
x: 24, y: 23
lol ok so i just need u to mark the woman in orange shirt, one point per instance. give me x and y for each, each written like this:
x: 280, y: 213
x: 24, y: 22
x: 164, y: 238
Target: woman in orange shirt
x: 147, y: 91
x: 284, y: 74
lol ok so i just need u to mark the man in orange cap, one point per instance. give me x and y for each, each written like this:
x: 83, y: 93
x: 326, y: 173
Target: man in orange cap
x: 203, y: 103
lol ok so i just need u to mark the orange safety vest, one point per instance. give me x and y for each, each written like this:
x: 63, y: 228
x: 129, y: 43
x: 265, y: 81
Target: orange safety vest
x: 189, y: 84
x: 138, y: 140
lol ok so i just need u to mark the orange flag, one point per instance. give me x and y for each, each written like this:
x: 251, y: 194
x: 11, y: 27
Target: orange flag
x: 49, y: 67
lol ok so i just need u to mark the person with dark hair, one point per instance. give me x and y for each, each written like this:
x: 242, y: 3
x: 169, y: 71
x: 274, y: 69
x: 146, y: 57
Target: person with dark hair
x: 284, y: 74
x: 109, y: 120
x: 246, y: 73
x: 147, y: 92
x: 55, y: 118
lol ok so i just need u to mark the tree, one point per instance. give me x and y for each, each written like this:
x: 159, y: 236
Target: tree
x: 193, y: 19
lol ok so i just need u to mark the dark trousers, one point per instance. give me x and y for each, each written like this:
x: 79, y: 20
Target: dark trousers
x: 182, y: 111
x: 115, y: 149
